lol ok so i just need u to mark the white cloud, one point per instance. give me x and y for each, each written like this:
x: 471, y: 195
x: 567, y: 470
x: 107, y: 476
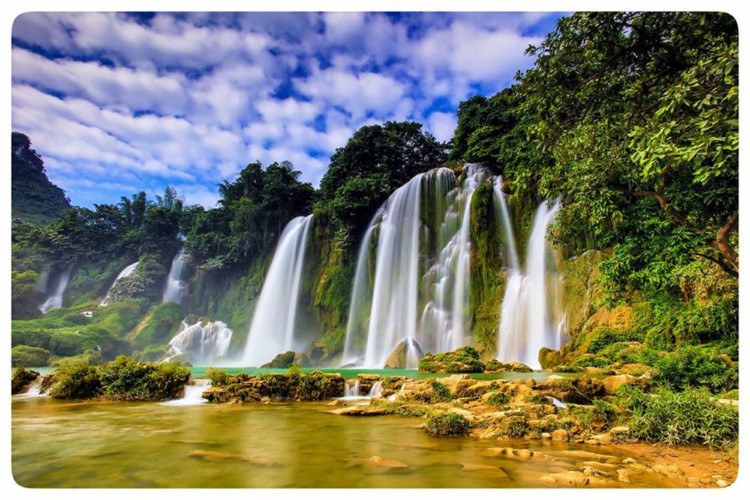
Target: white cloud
x: 442, y: 125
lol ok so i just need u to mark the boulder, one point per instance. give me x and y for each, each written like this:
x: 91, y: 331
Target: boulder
x: 550, y: 358
x: 399, y: 357
x: 493, y: 366
x: 287, y: 359
x: 462, y: 360
x: 611, y: 384
x: 560, y: 435
x: 361, y: 411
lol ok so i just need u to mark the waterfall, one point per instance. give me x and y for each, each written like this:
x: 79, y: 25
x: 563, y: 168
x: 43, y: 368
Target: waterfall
x: 529, y: 304
x: 376, y: 391
x: 421, y: 242
x: 501, y: 206
x: 175, y: 287
x: 55, y: 300
x: 351, y: 389
x: 123, y: 274
x: 193, y: 394
x: 202, y: 343
x: 272, y: 330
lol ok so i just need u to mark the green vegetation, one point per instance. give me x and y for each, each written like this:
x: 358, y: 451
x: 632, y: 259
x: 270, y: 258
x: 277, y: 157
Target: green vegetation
x: 24, y: 355
x: 688, y: 417
x: 462, y: 360
x: 35, y: 200
x: 695, y: 367
x: 123, y: 379
x: 447, y: 424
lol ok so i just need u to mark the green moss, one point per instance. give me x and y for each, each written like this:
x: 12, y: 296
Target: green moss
x: 127, y: 379
x: 447, y: 424
x: 217, y: 376
x: 462, y: 360
x: 440, y: 391
x: 74, y: 381
x: 498, y: 398
x: 159, y: 326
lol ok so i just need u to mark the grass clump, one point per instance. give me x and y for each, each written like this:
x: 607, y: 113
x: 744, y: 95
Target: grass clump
x: 129, y: 380
x: 441, y: 393
x: 498, y: 398
x: 218, y: 377
x: 688, y: 417
x: 447, y: 424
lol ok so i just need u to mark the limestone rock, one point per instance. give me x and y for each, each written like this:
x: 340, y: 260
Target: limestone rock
x: 560, y: 435
x: 398, y: 358
x: 462, y: 360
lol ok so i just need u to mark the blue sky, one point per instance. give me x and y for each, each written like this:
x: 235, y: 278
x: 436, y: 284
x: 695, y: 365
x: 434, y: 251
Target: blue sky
x: 118, y: 103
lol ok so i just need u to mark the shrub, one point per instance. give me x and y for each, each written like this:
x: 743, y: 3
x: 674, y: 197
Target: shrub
x: 590, y: 360
x: 462, y: 360
x: 688, y: 417
x: 695, y: 366
x: 313, y: 386
x: 30, y: 336
x: 447, y: 424
x: 127, y: 379
x: 65, y: 343
x: 217, y: 376
x: 75, y: 381
x: 24, y: 355
x: 515, y: 426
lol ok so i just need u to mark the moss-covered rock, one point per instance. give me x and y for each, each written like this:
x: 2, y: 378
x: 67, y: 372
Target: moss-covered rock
x: 462, y: 360
x: 447, y: 424
x: 494, y: 365
x: 292, y: 386
x: 287, y: 359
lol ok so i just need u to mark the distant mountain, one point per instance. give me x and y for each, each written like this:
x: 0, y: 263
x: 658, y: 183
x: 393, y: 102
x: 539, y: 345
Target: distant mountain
x: 35, y: 199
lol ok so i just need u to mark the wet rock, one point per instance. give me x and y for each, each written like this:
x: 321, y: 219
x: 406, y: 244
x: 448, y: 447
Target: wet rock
x: 611, y: 384
x: 337, y: 402
x: 22, y: 379
x: 398, y: 358
x: 546, y: 435
x: 518, y: 454
x: 600, y: 465
x: 390, y: 464
x: 588, y: 455
x: 623, y: 475
x: 549, y: 358
x: 575, y: 479
x: 487, y: 469
x: 361, y: 411
x: 671, y: 471
x: 560, y: 435
x: 721, y: 483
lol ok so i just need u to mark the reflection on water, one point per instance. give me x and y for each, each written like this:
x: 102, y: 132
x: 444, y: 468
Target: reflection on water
x: 63, y: 444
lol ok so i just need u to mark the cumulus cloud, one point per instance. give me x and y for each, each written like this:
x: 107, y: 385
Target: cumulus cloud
x: 122, y: 102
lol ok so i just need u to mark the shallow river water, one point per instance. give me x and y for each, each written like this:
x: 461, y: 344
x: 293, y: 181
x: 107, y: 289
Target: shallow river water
x: 103, y: 444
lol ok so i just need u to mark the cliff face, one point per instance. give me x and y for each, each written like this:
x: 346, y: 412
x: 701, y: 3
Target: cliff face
x: 35, y: 199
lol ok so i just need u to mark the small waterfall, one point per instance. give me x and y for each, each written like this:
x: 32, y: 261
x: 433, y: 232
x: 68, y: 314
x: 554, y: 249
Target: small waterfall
x: 55, y: 300
x: 193, y: 394
x: 201, y: 343
x: 526, y: 324
x: 351, y: 390
x: 376, y: 391
x: 34, y: 390
x: 274, y: 320
x: 175, y: 287
x: 501, y: 206
x: 123, y: 274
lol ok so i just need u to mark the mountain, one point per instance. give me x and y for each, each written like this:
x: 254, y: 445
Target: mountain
x: 35, y: 199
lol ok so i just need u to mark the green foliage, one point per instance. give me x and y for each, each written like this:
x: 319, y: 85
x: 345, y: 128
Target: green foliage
x: 127, y: 379
x: 24, y: 355
x: 447, y: 424
x: 515, y: 426
x: 160, y: 326
x: 375, y: 161
x: 688, y: 417
x: 313, y: 386
x: 253, y: 211
x: 35, y: 199
x: 75, y: 381
x: 694, y: 366
x: 217, y: 376
x: 25, y: 295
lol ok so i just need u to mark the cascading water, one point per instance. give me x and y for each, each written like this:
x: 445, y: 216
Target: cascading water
x: 376, y: 391
x: 526, y: 322
x: 55, y: 300
x: 272, y: 330
x: 421, y: 263
x: 175, y: 287
x: 193, y: 394
x: 123, y: 274
x: 202, y: 343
